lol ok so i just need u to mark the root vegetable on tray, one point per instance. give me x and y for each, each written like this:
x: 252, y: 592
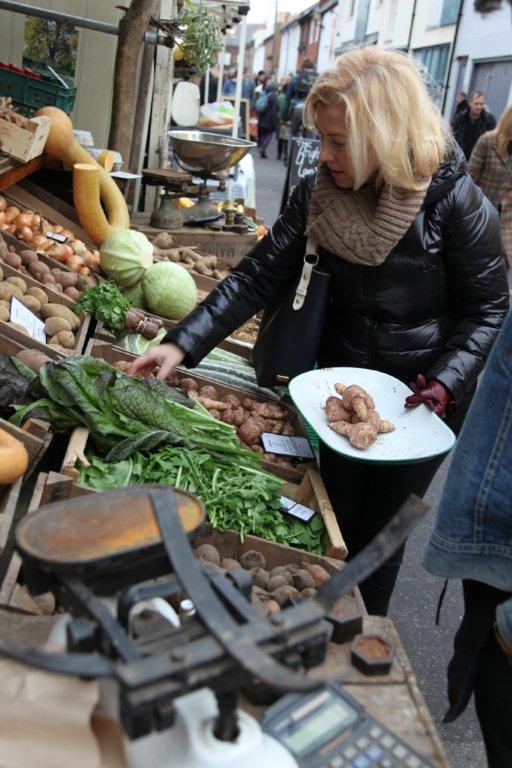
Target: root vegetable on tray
x: 354, y: 416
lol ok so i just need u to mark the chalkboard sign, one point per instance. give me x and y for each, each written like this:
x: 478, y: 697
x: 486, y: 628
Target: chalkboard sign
x: 303, y: 158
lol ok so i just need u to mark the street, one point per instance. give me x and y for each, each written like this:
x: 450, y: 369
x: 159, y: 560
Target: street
x: 414, y: 603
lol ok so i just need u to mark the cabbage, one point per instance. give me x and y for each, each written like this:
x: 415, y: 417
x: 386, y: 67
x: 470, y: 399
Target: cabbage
x: 125, y: 255
x: 169, y: 290
x: 135, y: 295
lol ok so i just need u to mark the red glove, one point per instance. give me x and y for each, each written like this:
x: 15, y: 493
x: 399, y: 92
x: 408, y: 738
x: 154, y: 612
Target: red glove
x: 432, y: 393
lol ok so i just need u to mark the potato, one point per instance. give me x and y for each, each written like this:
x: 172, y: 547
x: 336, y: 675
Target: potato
x: 13, y: 260
x: 252, y: 559
x: 19, y: 281
x: 64, y: 339
x: 38, y: 294
x: 28, y: 257
x: 7, y: 290
x: 54, y: 325
x: 33, y: 359
x: 37, y: 267
x: 284, y: 595
x: 47, y: 278
x: 30, y: 302
x: 303, y: 580
x: 19, y: 327
x: 209, y: 553
x: 72, y: 293
x: 1, y: 273
x: 5, y: 312
x: 57, y: 310
x: 66, y: 279
x: 282, y: 580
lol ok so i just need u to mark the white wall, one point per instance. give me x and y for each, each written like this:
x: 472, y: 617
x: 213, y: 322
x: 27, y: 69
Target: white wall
x: 426, y: 30
x: 288, y: 54
x: 327, y: 42
x: 395, y: 23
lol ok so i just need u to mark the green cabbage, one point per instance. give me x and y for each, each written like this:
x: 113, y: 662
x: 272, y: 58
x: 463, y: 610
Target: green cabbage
x: 169, y: 290
x: 135, y: 295
x: 125, y: 255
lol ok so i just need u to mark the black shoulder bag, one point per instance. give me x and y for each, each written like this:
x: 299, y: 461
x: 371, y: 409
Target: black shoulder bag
x: 291, y: 328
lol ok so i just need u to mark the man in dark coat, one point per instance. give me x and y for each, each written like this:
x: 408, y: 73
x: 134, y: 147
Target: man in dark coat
x: 471, y: 123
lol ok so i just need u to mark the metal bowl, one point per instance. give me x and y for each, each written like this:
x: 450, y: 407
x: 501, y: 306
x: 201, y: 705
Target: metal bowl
x: 208, y: 152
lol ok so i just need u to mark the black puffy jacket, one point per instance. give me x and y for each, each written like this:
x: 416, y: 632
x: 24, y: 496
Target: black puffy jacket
x: 434, y: 306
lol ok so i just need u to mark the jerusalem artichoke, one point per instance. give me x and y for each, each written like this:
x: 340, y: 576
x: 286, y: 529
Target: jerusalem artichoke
x: 360, y: 435
x: 355, y: 398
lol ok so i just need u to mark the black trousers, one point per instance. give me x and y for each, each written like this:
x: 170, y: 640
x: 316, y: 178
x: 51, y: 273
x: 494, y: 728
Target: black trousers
x: 364, y: 497
x: 480, y: 666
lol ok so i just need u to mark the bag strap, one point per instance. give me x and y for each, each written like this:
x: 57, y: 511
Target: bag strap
x: 311, y: 259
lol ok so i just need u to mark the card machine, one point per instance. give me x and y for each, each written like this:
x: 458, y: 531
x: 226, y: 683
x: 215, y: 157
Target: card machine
x: 328, y: 728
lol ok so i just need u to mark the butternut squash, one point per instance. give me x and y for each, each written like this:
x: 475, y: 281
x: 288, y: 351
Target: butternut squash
x: 86, y: 197
x: 13, y: 458
x: 61, y: 144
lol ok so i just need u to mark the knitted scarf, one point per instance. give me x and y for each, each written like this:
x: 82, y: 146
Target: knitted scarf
x: 361, y: 226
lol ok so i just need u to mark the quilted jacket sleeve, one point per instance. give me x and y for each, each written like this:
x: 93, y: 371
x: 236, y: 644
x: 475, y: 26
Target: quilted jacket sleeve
x: 267, y: 270
x: 474, y: 260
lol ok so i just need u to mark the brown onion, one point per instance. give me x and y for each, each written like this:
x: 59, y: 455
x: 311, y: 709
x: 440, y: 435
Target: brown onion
x: 3, y: 203
x: 10, y: 213
x: 24, y: 219
x: 25, y: 233
x: 67, y: 234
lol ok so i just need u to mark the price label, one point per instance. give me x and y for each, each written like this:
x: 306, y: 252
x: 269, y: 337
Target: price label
x: 296, y: 447
x: 20, y: 314
x: 55, y: 236
x: 290, y: 507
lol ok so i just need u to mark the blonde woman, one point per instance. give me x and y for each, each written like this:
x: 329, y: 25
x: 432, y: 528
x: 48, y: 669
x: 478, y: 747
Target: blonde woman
x: 490, y: 166
x: 418, y: 281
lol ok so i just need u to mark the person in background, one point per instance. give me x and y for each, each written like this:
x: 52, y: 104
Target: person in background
x: 461, y: 102
x: 259, y: 82
x: 418, y: 285
x: 248, y: 88
x: 297, y: 128
x: 490, y: 166
x: 283, y: 128
x: 267, y: 116
x: 229, y: 86
x: 300, y: 85
x: 469, y: 124
x: 213, y: 80
x: 472, y: 540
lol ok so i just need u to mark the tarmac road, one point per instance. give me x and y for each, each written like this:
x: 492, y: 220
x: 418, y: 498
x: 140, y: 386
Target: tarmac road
x: 414, y: 603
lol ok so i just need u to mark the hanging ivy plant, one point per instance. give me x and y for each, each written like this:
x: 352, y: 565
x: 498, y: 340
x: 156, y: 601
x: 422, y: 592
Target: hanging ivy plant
x: 201, y: 39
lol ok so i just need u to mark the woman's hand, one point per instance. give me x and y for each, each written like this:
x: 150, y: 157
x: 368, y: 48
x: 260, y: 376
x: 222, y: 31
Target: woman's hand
x: 166, y: 356
x: 431, y: 393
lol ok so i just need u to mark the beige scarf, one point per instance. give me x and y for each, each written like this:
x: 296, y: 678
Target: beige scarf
x: 363, y: 226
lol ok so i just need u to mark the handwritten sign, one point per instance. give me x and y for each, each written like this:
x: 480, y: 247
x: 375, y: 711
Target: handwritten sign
x: 303, y: 158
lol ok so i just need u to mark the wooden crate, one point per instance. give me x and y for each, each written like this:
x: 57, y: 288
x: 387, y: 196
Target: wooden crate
x: 56, y: 297
x: 26, y: 141
x: 10, y: 346
x: 310, y: 491
x: 9, y: 331
x: 111, y: 354
x: 227, y: 246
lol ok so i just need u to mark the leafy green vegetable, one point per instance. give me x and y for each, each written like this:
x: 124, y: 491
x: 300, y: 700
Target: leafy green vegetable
x: 124, y: 414
x: 235, y: 497
x: 106, y: 303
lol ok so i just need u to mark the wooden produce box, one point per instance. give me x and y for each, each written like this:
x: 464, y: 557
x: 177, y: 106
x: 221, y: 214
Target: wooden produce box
x: 25, y: 141
x: 227, y: 246
x: 53, y: 295
x: 36, y: 438
x: 311, y: 492
x: 11, y: 346
x: 111, y: 354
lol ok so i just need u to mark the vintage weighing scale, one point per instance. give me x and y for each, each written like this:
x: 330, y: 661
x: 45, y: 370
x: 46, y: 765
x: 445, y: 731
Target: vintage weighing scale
x: 176, y: 687
x: 206, y: 156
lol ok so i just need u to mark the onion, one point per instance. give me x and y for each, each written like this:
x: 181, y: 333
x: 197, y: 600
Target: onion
x: 57, y: 228
x: 10, y: 213
x: 25, y: 233
x: 40, y: 241
x: 24, y: 219
x: 3, y: 203
x: 2, y: 217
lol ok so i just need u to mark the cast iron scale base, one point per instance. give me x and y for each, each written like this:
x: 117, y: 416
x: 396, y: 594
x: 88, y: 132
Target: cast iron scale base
x: 133, y: 544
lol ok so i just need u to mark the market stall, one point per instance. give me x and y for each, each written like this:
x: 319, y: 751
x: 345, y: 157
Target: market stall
x: 83, y: 292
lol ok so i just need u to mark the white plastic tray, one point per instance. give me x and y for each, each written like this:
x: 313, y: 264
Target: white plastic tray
x: 419, y: 433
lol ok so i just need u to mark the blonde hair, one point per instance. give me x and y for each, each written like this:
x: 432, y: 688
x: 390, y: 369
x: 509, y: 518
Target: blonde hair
x: 389, y: 116
x: 502, y: 134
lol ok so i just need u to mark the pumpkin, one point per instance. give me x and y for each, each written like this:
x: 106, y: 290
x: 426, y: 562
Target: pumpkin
x: 13, y: 458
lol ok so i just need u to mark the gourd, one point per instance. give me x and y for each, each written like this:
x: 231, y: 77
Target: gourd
x: 13, y: 458
x: 86, y: 197
x: 62, y: 144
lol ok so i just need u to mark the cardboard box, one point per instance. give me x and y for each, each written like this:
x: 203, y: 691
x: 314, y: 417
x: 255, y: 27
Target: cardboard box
x: 24, y: 142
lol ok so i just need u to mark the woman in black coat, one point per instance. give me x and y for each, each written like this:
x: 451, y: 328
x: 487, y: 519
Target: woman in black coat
x: 267, y: 117
x: 418, y: 278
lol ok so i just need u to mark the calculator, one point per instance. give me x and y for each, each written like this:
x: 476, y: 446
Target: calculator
x: 328, y: 728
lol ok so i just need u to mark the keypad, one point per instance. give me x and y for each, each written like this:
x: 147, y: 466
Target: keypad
x: 377, y: 749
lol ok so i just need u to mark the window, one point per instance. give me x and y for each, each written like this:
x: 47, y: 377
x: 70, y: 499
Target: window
x: 450, y: 11
x: 50, y: 43
x: 435, y: 61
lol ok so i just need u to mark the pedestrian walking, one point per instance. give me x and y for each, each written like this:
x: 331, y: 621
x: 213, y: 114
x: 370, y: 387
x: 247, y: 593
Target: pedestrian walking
x: 490, y: 166
x: 469, y: 124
